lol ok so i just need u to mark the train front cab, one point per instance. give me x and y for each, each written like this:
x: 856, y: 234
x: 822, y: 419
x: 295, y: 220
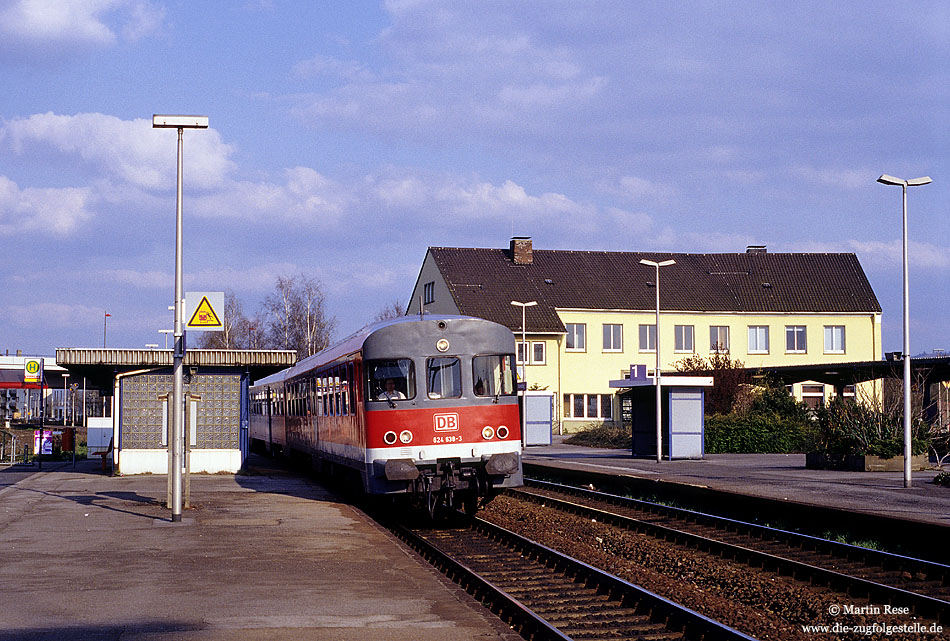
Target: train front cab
x: 441, y: 411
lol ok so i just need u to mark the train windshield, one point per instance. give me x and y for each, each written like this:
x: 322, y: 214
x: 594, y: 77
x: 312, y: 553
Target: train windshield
x: 445, y: 377
x: 494, y: 375
x: 391, y: 380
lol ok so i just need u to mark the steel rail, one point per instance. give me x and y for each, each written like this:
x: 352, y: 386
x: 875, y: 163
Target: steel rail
x: 677, y: 618
x: 923, y: 605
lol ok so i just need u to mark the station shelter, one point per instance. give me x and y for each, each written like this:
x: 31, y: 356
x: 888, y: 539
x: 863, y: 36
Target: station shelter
x: 139, y: 383
x: 682, y: 417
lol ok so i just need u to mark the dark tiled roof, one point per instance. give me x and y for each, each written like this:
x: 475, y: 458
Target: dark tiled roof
x: 485, y: 281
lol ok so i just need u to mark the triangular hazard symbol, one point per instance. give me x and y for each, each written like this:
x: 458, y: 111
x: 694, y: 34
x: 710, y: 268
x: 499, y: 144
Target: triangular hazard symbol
x: 204, y: 315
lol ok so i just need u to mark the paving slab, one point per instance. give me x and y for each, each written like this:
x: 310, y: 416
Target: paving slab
x: 774, y: 476
x: 270, y: 556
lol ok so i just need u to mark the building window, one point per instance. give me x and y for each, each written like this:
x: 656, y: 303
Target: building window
x: 683, y: 341
x: 813, y: 396
x: 834, y: 339
x: 719, y: 339
x: 428, y: 293
x: 613, y: 337
x: 576, y: 337
x: 538, y: 353
x: 647, y: 338
x: 535, y: 351
x: 588, y: 406
x: 606, y: 406
x: 758, y: 339
x: 795, y: 339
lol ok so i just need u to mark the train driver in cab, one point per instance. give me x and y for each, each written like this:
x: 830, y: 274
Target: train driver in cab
x: 390, y: 393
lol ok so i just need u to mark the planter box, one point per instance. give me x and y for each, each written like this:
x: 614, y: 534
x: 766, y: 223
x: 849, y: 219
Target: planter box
x: 860, y: 463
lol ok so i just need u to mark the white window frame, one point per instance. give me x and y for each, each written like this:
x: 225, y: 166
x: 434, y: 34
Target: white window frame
x: 520, y: 350
x: 724, y: 348
x: 796, y: 330
x: 757, y: 349
x: 585, y: 400
x: 544, y: 353
x: 651, y: 338
x: 572, y: 333
x: 613, y: 348
x: 428, y: 293
x: 680, y: 335
x: 830, y: 331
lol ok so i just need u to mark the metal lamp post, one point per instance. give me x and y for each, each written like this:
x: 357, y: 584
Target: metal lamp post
x: 524, y: 365
x: 105, y: 321
x: 65, y: 395
x: 904, y: 184
x: 166, y: 332
x: 659, y: 398
x: 180, y: 123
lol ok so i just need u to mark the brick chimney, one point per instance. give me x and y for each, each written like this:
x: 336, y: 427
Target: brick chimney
x: 521, y: 253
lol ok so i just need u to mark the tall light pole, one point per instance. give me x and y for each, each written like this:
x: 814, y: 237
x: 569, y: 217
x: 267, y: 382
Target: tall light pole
x: 524, y: 365
x: 180, y: 123
x: 904, y: 184
x: 659, y: 396
x: 166, y: 332
x: 105, y: 321
x: 65, y: 395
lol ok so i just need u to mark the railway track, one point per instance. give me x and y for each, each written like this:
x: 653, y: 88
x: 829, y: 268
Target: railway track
x: 881, y: 577
x: 543, y: 594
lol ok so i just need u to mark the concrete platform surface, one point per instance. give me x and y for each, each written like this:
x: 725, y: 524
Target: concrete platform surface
x: 774, y: 476
x: 265, y: 557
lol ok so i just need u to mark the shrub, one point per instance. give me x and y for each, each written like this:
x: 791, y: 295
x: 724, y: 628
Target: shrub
x: 943, y: 479
x: 606, y: 435
x: 846, y: 427
x: 755, y: 433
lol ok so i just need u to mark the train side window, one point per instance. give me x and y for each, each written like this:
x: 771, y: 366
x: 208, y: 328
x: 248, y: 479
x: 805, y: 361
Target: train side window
x: 494, y: 375
x: 444, y: 376
x: 390, y: 380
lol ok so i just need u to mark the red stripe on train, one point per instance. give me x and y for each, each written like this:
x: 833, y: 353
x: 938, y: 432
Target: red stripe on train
x: 444, y: 425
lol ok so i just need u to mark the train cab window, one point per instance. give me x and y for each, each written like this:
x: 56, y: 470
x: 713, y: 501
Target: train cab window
x: 493, y: 375
x: 444, y: 376
x: 390, y: 380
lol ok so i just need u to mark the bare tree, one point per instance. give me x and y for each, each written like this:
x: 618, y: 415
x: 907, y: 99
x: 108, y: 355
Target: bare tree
x: 234, y: 323
x: 390, y: 311
x: 294, y: 316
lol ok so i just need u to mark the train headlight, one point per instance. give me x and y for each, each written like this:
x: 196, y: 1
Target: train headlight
x: 389, y: 438
x: 502, y: 431
x: 488, y: 432
x: 405, y: 436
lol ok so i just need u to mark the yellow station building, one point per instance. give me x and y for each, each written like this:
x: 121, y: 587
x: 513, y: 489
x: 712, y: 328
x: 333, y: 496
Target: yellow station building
x: 596, y: 313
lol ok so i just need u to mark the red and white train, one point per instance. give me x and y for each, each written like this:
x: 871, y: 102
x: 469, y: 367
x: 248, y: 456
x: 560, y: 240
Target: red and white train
x: 423, y: 406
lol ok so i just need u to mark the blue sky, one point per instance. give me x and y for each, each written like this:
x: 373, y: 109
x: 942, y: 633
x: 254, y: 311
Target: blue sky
x: 347, y: 137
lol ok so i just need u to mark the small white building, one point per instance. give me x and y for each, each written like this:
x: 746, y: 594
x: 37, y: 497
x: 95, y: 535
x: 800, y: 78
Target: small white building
x: 139, y: 382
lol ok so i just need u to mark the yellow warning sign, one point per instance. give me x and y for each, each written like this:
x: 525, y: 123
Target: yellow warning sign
x: 204, y: 316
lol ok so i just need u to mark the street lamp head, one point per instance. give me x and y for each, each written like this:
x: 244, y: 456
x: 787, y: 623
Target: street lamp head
x: 916, y: 182
x: 653, y: 263
x: 531, y: 304
x: 891, y: 180
x: 179, y: 122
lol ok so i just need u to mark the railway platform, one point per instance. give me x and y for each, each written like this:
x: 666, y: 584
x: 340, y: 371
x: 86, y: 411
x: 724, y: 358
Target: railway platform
x: 779, y: 477
x: 265, y: 555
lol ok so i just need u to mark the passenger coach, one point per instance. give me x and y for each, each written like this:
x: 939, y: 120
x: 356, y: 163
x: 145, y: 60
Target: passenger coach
x: 422, y: 406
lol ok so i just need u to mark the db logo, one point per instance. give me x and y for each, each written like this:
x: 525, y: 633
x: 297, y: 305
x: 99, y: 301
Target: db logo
x: 446, y: 422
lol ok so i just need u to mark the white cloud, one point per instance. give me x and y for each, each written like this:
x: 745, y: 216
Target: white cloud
x: 885, y: 254
x: 50, y: 28
x: 320, y: 65
x: 58, y: 211
x: 834, y: 177
x: 305, y: 197
x: 127, y: 150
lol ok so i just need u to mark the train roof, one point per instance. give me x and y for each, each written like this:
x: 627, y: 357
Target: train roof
x: 353, y: 343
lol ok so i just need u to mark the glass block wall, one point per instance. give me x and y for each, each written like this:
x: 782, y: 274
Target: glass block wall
x: 218, y: 411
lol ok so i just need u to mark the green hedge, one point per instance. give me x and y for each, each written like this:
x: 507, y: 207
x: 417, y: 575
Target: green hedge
x: 755, y: 433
